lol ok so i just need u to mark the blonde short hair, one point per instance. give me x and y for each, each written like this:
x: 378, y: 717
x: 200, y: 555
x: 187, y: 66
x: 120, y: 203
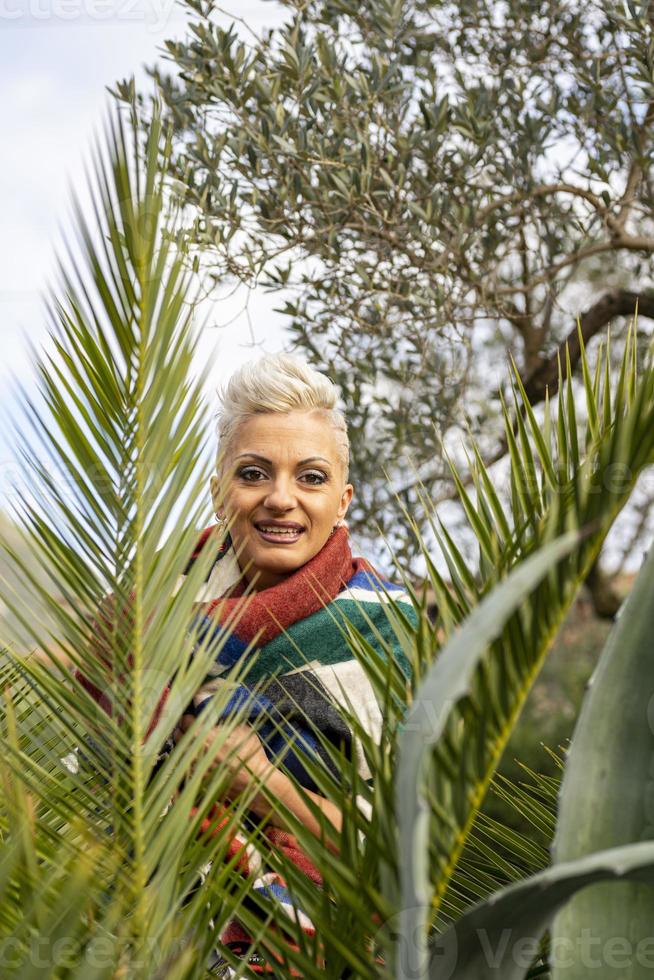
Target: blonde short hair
x: 279, y: 383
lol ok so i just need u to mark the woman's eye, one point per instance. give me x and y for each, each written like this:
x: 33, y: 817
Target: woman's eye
x: 251, y: 474
x: 314, y: 478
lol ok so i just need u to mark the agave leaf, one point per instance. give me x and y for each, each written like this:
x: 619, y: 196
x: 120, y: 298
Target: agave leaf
x: 447, y: 683
x: 610, y: 760
x: 499, y: 937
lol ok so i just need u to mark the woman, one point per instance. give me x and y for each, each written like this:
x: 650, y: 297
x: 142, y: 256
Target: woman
x: 285, y: 575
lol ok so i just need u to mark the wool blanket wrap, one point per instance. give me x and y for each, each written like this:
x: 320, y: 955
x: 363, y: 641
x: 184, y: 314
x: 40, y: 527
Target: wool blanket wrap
x: 298, y: 672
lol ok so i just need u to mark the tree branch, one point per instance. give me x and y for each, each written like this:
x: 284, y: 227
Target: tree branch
x: 617, y: 302
x: 631, y: 243
x: 543, y: 190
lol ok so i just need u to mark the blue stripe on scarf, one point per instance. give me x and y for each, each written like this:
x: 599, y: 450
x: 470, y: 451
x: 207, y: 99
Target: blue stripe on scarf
x: 273, y: 740
x: 208, y: 631
x: 274, y: 890
x: 366, y: 580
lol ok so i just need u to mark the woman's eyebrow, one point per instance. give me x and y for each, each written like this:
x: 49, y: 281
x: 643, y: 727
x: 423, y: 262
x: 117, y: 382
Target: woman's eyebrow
x: 302, y: 462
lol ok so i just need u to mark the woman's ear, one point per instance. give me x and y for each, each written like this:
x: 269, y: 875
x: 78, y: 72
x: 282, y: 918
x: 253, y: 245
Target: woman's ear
x: 346, y: 499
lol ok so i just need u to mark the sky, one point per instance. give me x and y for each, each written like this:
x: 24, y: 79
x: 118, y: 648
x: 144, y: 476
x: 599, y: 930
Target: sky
x: 57, y: 60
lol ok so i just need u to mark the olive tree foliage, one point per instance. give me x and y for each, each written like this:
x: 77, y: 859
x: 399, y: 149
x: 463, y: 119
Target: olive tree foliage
x: 428, y: 185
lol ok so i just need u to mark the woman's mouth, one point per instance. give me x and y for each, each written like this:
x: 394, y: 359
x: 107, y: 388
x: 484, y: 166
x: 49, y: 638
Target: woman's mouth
x: 280, y: 533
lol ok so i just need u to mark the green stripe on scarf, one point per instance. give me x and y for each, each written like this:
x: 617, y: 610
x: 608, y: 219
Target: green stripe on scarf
x: 320, y: 637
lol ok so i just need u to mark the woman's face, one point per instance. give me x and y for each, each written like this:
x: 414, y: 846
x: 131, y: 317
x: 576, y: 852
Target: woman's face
x: 284, y: 491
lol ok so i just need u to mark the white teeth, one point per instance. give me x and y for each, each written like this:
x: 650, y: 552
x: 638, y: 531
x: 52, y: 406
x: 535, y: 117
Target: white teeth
x: 289, y: 531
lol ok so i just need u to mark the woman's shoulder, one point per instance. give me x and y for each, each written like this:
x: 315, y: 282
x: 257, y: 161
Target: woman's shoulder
x: 381, y: 608
x: 369, y: 585
x: 222, y: 572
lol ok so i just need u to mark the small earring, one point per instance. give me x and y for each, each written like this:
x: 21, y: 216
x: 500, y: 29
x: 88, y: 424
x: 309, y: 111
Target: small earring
x: 220, y: 521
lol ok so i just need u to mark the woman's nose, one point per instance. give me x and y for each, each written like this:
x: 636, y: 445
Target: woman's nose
x: 281, y: 496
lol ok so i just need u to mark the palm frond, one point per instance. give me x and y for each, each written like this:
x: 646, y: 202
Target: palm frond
x: 123, y: 429
x: 448, y: 686
x: 555, y: 485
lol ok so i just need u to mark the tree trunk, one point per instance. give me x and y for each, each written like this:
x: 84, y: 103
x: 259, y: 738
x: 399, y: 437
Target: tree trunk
x: 606, y: 601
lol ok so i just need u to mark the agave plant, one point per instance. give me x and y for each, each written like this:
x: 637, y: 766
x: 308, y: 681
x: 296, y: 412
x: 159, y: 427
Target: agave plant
x: 611, y: 760
x: 104, y: 872
x: 601, y: 881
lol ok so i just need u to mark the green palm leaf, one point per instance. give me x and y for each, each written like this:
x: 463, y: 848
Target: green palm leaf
x: 122, y: 428
x: 553, y: 488
x: 447, y: 685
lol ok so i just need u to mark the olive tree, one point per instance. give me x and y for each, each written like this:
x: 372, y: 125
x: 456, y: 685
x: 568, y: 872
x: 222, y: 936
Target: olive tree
x: 428, y: 185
